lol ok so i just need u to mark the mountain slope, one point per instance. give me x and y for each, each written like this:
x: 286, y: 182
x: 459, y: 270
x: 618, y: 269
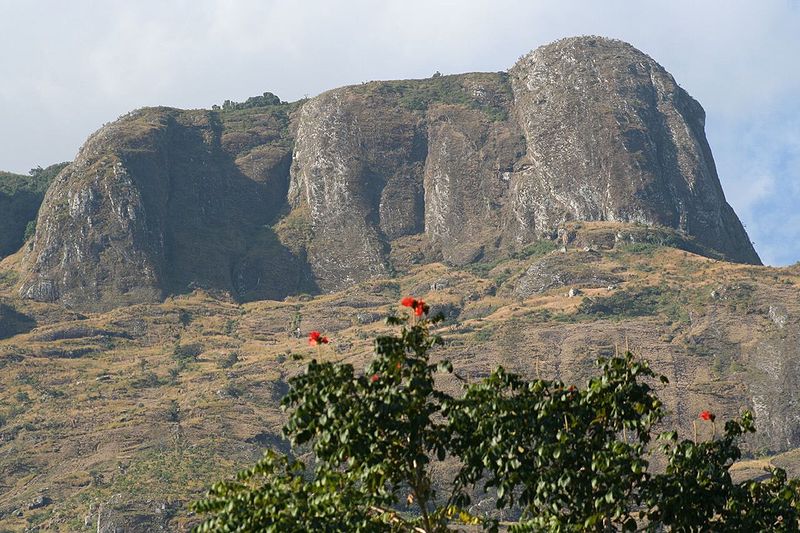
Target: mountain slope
x: 555, y: 213
x: 128, y: 414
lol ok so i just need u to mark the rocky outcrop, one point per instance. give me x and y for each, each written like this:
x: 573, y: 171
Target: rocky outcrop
x: 467, y: 175
x: 377, y: 162
x: 582, y: 129
x: 152, y: 205
x: 559, y: 270
x: 611, y: 136
x: 774, y: 380
x: 266, y: 199
x: 357, y: 168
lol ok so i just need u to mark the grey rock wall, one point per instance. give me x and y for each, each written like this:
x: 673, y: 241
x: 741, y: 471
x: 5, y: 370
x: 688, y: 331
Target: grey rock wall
x: 611, y: 136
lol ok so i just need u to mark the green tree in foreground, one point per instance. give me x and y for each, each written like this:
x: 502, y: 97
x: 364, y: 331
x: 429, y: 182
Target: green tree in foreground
x: 560, y: 458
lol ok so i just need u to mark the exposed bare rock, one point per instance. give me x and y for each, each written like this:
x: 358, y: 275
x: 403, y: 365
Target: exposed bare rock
x: 266, y: 199
x: 152, y: 205
x: 559, y: 270
x: 467, y: 176
x: 354, y: 168
x: 611, y: 136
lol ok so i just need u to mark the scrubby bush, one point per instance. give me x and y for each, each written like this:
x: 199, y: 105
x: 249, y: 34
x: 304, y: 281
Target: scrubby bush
x: 626, y: 303
x: 187, y: 353
x: 537, y: 249
x: 266, y: 99
x: 229, y: 360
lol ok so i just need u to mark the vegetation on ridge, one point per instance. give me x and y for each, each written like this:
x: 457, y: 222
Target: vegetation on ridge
x: 20, y: 198
x: 491, y: 96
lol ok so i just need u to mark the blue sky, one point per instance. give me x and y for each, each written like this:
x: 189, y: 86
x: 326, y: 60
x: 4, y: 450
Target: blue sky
x: 69, y: 67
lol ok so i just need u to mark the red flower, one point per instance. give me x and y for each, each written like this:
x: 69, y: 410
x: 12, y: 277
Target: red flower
x: 419, y: 306
x: 315, y: 338
x: 708, y: 415
x: 374, y: 378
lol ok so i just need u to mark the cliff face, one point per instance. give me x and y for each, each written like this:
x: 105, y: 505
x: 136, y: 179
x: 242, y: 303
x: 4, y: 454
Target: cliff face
x: 385, y: 160
x: 611, y: 136
x: 358, y: 195
x: 274, y: 199
x: 155, y: 204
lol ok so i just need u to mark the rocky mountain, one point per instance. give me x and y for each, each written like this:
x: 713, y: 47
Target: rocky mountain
x: 555, y: 213
x: 267, y: 199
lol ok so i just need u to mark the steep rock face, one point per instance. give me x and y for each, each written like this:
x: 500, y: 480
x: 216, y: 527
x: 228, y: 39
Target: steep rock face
x: 153, y: 204
x: 389, y: 159
x: 92, y: 237
x: 358, y: 169
x: 467, y: 177
x: 611, y: 136
x: 774, y: 379
x: 385, y: 160
x: 587, y: 129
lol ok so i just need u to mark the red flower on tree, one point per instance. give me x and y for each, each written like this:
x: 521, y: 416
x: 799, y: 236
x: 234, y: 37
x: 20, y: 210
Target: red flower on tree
x: 374, y: 378
x: 315, y: 338
x: 419, y: 306
x: 708, y: 416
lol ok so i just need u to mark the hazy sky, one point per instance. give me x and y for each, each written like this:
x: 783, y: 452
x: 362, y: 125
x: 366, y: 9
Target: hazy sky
x: 67, y: 67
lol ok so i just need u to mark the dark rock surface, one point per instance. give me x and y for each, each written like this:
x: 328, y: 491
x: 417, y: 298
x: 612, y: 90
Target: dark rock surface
x: 264, y: 201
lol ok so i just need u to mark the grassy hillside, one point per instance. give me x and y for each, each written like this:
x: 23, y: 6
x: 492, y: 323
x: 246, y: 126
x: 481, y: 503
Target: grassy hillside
x: 124, y: 416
